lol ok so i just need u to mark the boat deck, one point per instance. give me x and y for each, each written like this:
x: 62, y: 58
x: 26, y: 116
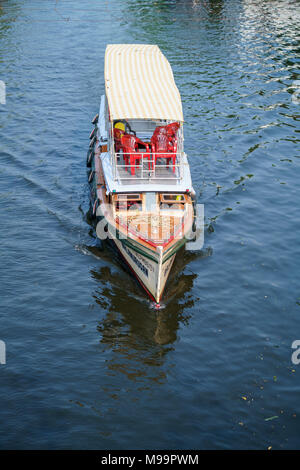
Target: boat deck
x: 118, y: 178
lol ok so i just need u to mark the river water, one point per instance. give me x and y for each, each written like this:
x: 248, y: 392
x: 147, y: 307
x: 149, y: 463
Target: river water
x: 89, y: 362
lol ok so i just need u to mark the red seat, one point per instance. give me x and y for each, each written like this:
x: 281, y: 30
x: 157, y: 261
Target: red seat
x: 172, y: 129
x: 118, y: 133
x: 163, y: 146
x: 130, y: 145
x: 160, y: 130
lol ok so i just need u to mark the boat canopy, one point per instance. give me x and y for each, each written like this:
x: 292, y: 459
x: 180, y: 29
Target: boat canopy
x: 139, y: 83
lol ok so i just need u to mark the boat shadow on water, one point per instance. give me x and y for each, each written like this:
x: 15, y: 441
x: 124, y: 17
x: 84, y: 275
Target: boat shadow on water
x: 140, y: 337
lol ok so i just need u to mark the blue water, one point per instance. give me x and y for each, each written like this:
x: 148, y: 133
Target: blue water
x: 90, y: 363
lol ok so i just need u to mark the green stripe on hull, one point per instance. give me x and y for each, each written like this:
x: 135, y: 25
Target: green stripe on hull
x: 174, y: 250
x: 143, y: 252
x: 138, y: 250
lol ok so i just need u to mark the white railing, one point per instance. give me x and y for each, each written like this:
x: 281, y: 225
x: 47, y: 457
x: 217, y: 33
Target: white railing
x: 145, y: 167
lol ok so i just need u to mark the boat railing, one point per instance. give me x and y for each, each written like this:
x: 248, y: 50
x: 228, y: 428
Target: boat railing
x: 147, y: 166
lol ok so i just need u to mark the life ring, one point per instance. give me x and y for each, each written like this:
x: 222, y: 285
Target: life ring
x: 91, y: 176
x: 92, y: 142
x: 89, y: 158
x: 95, y: 207
x: 194, y: 226
x: 95, y: 119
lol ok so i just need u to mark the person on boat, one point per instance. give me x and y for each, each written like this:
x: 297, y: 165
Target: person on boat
x: 124, y: 126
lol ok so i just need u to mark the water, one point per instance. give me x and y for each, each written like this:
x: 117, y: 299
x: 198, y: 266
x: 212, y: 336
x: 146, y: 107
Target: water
x: 90, y: 363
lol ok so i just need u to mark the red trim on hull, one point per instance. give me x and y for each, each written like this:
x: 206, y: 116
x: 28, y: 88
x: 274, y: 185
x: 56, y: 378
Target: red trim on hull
x: 149, y: 241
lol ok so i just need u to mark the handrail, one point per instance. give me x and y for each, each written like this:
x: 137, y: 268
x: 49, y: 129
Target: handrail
x: 120, y: 170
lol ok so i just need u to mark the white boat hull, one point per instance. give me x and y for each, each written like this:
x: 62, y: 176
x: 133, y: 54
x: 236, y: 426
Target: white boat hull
x: 151, y: 274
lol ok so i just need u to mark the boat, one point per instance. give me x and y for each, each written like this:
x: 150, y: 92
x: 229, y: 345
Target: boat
x: 141, y: 188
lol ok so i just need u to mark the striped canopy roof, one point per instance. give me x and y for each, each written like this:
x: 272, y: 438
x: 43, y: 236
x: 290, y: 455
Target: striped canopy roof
x: 139, y: 83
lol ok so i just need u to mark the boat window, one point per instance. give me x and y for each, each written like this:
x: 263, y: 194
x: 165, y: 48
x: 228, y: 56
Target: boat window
x: 172, y: 202
x: 172, y: 198
x: 128, y: 197
x: 126, y: 202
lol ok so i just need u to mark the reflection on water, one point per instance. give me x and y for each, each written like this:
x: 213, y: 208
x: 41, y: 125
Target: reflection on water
x: 140, y: 336
x: 138, y: 343
x: 121, y: 289
x: 162, y: 14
